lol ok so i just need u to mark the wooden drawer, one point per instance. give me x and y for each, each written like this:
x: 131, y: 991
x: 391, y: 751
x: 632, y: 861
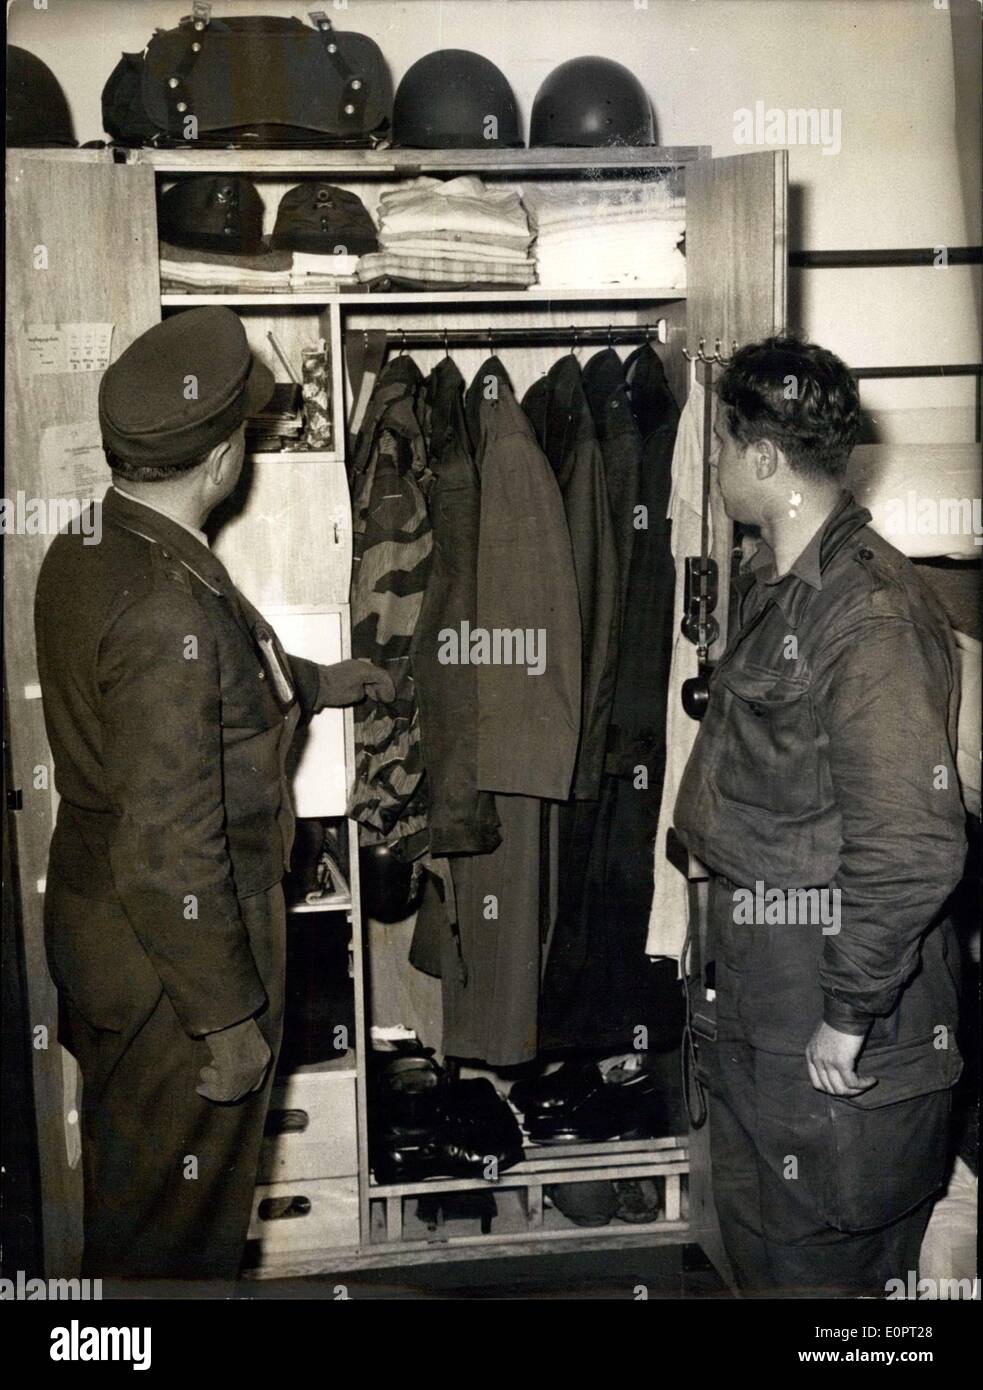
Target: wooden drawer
x: 304, y: 1217
x: 311, y: 1129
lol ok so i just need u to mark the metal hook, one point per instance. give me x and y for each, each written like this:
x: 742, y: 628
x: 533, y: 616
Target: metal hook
x: 610, y: 335
x: 402, y: 341
x: 447, y: 351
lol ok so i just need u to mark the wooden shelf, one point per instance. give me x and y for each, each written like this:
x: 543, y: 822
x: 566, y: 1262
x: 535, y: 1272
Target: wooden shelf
x: 294, y: 456
x: 408, y: 163
x: 548, y: 1163
x: 536, y: 294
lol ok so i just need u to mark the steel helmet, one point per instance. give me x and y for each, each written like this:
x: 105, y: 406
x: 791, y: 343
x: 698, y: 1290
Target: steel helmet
x: 37, y: 112
x: 391, y: 887
x: 591, y: 101
x: 455, y: 100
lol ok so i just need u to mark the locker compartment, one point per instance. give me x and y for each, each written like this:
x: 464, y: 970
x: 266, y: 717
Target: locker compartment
x: 311, y: 1126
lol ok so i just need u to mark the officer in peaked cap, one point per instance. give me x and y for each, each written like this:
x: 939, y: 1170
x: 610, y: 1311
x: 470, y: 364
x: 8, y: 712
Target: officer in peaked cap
x: 169, y: 706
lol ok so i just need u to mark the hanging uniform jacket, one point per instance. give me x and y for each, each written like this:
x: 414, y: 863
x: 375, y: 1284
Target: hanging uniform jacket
x: 558, y: 409
x: 391, y: 544
x: 639, y: 717
x: 598, y: 986
x: 621, y: 448
x: 528, y: 722
x: 463, y: 819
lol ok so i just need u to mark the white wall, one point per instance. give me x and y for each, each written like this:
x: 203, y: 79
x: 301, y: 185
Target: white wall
x: 886, y: 65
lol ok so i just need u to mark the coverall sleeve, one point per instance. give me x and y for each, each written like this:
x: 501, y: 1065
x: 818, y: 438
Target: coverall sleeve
x: 159, y: 677
x: 884, y: 701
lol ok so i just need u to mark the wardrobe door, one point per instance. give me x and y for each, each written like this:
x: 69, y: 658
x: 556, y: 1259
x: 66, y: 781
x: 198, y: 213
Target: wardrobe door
x: 82, y: 283
x: 736, y: 254
x: 736, y: 260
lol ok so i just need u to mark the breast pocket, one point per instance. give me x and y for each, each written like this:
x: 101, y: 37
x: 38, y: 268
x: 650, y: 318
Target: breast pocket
x: 770, y: 756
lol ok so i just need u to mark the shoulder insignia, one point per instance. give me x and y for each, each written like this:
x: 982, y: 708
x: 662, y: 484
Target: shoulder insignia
x: 168, y: 569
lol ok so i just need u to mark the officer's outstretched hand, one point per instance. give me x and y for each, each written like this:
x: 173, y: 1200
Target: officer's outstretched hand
x: 240, y: 1059
x: 347, y: 682
x: 832, y: 1060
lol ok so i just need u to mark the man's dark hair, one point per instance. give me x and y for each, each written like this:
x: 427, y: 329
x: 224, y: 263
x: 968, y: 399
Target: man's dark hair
x: 799, y: 396
x: 149, y: 472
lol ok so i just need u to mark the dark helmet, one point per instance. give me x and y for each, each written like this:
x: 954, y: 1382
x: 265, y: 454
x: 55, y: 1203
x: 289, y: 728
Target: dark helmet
x: 391, y: 887
x: 37, y: 112
x: 445, y: 100
x: 591, y: 101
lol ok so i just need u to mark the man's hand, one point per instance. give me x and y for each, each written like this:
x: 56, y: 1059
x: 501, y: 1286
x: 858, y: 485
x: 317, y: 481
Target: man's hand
x: 240, y: 1058
x: 832, y: 1060
x: 347, y: 682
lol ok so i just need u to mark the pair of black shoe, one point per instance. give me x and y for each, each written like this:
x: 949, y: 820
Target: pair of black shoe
x: 578, y: 1104
x: 423, y: 1125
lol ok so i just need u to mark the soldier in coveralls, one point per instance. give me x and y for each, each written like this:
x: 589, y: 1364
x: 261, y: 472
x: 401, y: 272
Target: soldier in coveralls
x: 825, y: 760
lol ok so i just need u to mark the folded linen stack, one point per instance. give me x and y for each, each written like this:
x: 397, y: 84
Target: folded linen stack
x: 597, y: 234
x: 319, y: 271
x: 454, y: 234
x: 186, y: 270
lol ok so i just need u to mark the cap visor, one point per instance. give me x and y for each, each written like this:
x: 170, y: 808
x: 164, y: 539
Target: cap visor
x: 260, y: 385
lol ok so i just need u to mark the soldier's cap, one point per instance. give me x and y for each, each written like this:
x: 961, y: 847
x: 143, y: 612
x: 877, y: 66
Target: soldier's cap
x: 213, y: 212
x: 181, y: 388
x: 320, y: 218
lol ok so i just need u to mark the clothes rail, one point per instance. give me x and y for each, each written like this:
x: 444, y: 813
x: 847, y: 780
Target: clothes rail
x: 514, y: 337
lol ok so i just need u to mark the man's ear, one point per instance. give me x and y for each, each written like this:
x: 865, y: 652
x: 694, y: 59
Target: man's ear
x: 766, y: 457
x: 218, y: 461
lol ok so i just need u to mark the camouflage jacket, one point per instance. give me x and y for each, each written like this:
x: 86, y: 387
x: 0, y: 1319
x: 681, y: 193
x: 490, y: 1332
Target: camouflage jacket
x: 392, y: 544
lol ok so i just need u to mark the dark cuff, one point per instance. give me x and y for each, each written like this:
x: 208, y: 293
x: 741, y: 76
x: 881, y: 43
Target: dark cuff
x: 844, y: 1018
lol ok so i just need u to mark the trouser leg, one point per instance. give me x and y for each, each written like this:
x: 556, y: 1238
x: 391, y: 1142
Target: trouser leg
x: 734, y: 1160
x: 169, y: 1176
x: 845, y: 1189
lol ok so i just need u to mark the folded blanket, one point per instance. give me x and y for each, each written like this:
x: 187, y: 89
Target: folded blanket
x: 186, y: 255
x: 602, y: 201
x: 445, y: 269
x: 493, y: 239
x: 463, y: 204
x: 455, y: 250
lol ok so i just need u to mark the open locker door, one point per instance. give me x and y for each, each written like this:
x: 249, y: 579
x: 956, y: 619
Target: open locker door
x: 82, y: 283
x: 736, y: 259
